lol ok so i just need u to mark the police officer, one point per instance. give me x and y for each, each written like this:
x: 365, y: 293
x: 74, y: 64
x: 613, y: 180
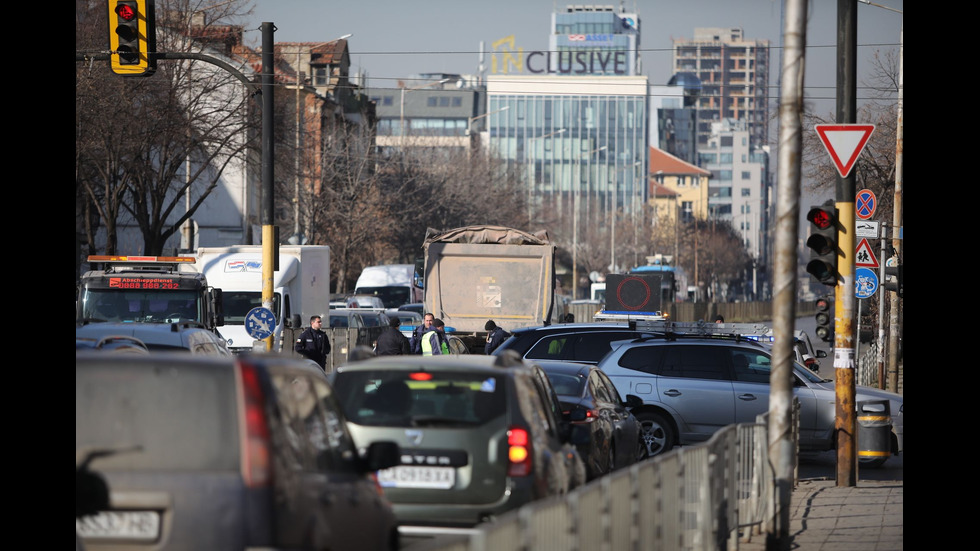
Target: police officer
x: 313, y: 343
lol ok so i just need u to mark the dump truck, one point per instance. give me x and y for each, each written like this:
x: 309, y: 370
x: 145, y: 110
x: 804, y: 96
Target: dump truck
x: 477, y: 273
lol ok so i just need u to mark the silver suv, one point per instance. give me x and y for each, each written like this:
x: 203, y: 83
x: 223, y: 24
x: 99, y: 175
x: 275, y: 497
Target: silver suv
x: 694, y: 384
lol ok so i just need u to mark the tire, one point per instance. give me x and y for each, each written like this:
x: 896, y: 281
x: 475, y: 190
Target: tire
x: 657, y: 433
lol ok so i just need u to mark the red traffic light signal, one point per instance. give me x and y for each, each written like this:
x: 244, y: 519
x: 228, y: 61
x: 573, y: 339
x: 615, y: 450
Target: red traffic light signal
x: 823, y: 244
x: 132, y: 37
x: 824, y: 330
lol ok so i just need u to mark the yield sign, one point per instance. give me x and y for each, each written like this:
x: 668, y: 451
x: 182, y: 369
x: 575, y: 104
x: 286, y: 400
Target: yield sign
x: 864, y: 257
x: 844, y: 142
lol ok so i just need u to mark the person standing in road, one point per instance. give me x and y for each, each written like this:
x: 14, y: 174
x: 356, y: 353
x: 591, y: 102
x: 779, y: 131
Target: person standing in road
x: 495, y: 336
x: 313, y: 343
x: 434, y: 341
x: 416, y: 340
x: 391, y: 342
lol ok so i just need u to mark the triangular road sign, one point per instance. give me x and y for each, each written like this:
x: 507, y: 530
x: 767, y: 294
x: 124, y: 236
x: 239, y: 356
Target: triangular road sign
x: 844, y: 142
x: 864, y: 257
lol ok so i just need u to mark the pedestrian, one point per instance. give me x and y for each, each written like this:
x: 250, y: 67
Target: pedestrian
x: 569, y: 318
x: 495, y: 336
x: 416, y: 341
x: 391, y: 342
x: 434, y: 341
x: 719, y: 319
x: 313, y: 343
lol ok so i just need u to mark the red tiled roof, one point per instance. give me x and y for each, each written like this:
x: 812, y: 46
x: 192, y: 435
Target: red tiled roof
x: 661, y: 161
x: 658, y: 190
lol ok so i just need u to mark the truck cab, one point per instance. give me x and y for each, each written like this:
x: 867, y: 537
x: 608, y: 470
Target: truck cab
x: 146, y: 289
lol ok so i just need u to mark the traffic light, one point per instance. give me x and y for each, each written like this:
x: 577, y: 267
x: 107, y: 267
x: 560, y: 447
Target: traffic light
x: 132, y: 37
x: 824, y: 329
x: 893, y: 279
x: 823, y: 244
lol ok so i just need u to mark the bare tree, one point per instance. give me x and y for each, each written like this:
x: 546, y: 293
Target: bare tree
x: 149, y: 151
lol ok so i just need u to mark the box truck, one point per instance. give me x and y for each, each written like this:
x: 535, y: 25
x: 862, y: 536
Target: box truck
x: 301, y: 287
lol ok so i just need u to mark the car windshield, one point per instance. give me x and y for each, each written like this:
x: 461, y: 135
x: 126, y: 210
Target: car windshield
x: 141, y: 306
x: 237, y: 305
x: 419, y: 398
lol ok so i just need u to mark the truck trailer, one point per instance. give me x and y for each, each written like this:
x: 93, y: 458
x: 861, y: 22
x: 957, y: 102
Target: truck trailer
x: 477, y: 273
x: 301, y: 287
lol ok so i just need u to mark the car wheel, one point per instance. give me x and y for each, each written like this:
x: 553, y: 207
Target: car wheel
x: 657, y: 433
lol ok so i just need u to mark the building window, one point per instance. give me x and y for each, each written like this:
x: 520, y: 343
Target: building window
x: 746, y: 175
x: 746, y: 209
x: 746, y: 192
x: 321, y: 76
x: 726, y: 141
x: 725, y: 158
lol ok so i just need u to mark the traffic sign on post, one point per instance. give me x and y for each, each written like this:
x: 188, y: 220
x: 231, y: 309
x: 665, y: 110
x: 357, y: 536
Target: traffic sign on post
x: 865, y: 204
x: 865, y: 283
x: 844, y: 142
x: 260, y: 323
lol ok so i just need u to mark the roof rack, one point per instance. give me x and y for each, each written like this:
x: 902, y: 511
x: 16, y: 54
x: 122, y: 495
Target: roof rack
x: 748, y: 331
x: 611, y: 315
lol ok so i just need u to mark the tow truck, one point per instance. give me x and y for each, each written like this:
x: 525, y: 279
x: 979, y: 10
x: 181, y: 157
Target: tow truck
x: 148, y: 289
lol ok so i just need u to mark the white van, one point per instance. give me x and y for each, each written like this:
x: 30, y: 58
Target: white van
x: 394, y: 284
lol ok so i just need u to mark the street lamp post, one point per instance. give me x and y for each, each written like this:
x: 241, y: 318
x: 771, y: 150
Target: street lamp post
x: 401, y: 117
x: 531, y: 170
x: 469, y: 123
x: 575, y: 208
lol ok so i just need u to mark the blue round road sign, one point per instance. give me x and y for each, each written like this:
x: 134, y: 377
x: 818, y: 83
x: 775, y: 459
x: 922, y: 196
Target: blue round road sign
x: 865, y: 204
x: 260, y: 323
x: 865, y: 283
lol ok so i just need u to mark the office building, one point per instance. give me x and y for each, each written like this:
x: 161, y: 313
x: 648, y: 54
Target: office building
x: 734, y: 76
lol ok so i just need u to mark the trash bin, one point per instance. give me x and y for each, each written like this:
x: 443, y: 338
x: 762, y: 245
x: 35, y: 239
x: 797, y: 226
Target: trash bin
x: 874, y: 421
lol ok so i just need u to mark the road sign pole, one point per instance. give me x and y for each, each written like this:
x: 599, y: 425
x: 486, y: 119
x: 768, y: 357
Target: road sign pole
x: 881, y: 314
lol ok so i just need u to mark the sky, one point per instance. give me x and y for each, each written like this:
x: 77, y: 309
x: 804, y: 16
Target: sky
x: 394, y: 39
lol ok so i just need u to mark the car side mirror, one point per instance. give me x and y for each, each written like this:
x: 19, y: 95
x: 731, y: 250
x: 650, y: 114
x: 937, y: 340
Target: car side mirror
x: 295, y: 321
x: 577, y: 414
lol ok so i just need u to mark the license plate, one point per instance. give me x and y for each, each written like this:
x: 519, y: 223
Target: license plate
x: 437, y: 478
x: 128, y: 525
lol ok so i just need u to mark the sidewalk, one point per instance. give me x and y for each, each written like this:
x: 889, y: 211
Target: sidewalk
x: 825, y: 517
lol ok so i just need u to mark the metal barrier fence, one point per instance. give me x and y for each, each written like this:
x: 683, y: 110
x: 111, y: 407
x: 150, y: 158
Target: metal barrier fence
x: 705, y: 497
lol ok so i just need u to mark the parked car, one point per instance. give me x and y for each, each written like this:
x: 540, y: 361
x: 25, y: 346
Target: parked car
x: 590, y: 399
x: 572, y: 342
x: 416, y: 307
x: 247, y: 452
x: 364, y: 301
x: 694, y: 384
x: 185, y: 336
x: 480, y: 435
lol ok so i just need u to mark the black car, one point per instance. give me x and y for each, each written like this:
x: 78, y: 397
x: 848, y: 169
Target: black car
x: 588, y: 398
x: 570, y: 342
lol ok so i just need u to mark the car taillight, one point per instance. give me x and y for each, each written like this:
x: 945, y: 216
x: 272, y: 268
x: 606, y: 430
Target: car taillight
x: 518, y: 452
x: 590, y: 416
x: 255, y: 440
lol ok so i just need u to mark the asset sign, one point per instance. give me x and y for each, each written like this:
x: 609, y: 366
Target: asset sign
x: 260, y: 323
x: 865, y: 204
x: 864, y: 256
x: 844, y: 142
x: 865, y: 283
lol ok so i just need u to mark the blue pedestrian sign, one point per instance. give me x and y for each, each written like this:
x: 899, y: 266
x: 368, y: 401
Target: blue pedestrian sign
x: 865, y: 283
x: 260, y: 323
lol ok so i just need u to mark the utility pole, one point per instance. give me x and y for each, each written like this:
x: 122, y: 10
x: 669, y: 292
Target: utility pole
x: 893, y: 325
x: 845, y: 304
x: 269, y: 245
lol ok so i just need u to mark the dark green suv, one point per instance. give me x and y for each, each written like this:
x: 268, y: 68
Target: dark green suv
x: 480, y: 435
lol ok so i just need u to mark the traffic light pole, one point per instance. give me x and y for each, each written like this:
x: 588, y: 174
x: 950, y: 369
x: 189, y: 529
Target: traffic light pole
x: 845, y: 304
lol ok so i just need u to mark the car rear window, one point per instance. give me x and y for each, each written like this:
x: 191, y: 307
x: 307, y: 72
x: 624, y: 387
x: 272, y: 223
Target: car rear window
x: 424, y: 398
x: 182, y: 416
